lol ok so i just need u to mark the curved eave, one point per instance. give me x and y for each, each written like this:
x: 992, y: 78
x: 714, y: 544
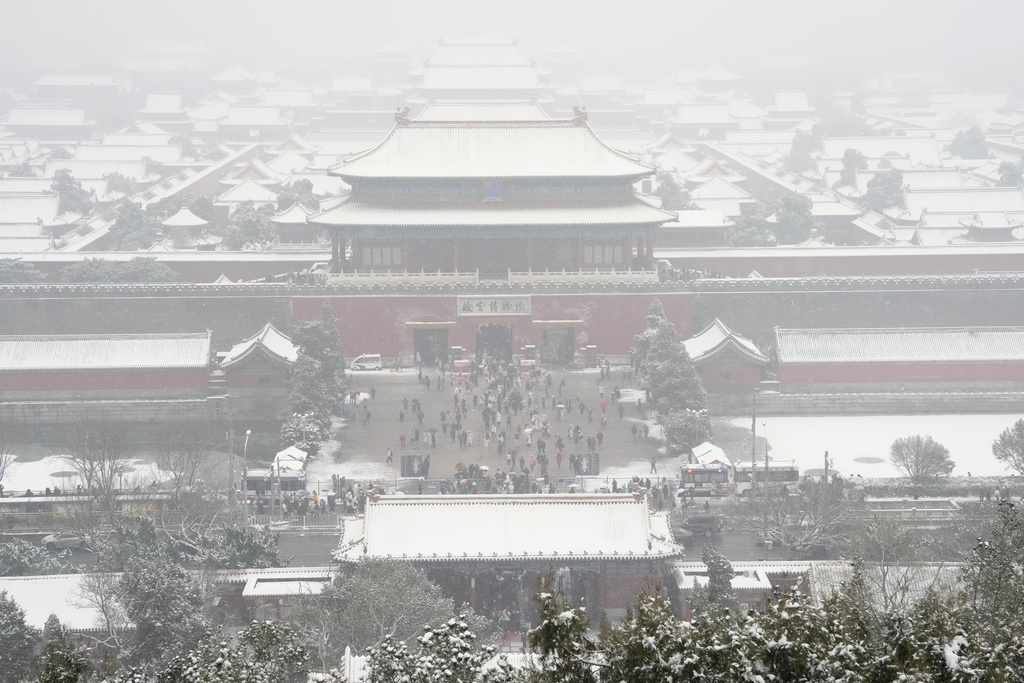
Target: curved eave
x: 730, y: 343
x: 642, y: 168
x: 258, y: 346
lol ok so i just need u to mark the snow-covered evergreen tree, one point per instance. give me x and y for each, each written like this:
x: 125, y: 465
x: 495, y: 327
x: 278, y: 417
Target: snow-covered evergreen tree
x: 17, y: 640
x: 62, y: 661
x: 162, y: 601
x: 666, y: 373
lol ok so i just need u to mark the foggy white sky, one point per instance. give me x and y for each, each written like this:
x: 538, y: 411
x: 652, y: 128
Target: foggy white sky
x: 620, y: 37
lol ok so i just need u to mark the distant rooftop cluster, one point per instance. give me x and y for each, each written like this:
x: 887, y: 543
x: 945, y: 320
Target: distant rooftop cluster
x: 888, y: 165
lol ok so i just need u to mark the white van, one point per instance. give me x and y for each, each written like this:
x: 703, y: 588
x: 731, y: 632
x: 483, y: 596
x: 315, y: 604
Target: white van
x: 367, y: 361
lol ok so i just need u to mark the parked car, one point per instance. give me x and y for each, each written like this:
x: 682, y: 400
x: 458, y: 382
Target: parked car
x: 703, y: 524
x: 367, y: 361
x: 61, y: 541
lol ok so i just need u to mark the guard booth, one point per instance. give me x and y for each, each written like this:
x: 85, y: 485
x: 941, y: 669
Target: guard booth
x: 460, y: 371
x: 588, y: 464
x: 412, y: 466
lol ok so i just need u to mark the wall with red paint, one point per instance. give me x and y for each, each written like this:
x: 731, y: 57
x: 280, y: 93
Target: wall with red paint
x: 377, y: 324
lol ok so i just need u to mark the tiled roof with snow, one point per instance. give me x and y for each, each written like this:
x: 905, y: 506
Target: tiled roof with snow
x: 906, y: 345
x: 505, y: 528
x: 247, y: 190
x: 482, y: 111
x: 29, y: 209
x: 185, y: 218
x: 528, y: 149
x: 480, y: 77
x: 270, y: 339
x: 293, y: 215
x: 97, y: 351
x: 717, y: 336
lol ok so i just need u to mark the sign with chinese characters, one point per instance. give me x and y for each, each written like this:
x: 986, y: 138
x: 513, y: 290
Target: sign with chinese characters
x: 481, y: 306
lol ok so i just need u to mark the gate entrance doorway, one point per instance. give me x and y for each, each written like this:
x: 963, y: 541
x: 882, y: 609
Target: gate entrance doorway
x: 556, y: 346
x: 494, y: 340
x: 430, y: 345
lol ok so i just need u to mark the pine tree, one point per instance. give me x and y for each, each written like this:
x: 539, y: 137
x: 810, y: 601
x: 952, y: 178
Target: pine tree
x: 717, y: 595
x: 567, y: 653
x: 664, y: 369
x: 17, y: 640
x: 62, y: 660
x: 162, y: 601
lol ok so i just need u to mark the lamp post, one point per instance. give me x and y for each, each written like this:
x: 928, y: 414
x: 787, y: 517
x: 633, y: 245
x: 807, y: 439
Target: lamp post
x: 753, y: 435
x: 764, y: 427
x: 245, y: 469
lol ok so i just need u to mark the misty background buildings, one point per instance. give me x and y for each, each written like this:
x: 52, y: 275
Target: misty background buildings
x: 492, y: 300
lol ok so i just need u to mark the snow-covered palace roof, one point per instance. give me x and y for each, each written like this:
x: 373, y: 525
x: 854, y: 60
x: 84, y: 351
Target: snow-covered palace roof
x: 504, y: 528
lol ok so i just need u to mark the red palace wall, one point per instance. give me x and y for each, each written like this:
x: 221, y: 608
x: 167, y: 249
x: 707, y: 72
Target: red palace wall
x: 377, y: 324
x: 900, y: 372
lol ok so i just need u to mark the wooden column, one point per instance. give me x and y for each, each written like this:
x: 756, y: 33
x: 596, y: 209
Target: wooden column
x: 472, y: 590
x: 650, y: 247
x: 579, y: 251
x: 455, y: 253
x: 405, y: 252
x: 529, y: 253
x: 357, y: 257
x: 335, y: 254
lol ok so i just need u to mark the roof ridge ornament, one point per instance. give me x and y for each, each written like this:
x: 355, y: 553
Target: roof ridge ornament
x: 402, y: 116
x: 579, y: 116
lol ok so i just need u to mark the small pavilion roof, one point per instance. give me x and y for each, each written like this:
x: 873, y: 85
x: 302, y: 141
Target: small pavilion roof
x: 234, y: 74
x: 719, y: 188
x: 556, y: 148
x: 506, y: 528
x: 248, y: 190
x: 184, y: 218
x: 288, y: 162
x: 295, y: 214
x: 269, y: 339
x: 716, y: 338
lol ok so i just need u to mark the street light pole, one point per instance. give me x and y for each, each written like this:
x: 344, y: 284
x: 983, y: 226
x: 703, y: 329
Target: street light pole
x: 245, y: 471
x: 764, y: 426
x: 753, y: 435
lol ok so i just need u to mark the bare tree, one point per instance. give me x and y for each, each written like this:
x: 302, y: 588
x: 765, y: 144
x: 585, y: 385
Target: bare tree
x: 186, y: 455
x: 815, y: 517
x: 99, y: 453
x: 895, y: 569
x: 99, y: 592
x: 921, y: 458
x: 6, y: 450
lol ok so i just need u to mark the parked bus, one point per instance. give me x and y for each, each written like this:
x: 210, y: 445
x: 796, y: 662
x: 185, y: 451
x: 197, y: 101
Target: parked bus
x: 778, y: 475
x: 709, y: 474
x: 705, y: 479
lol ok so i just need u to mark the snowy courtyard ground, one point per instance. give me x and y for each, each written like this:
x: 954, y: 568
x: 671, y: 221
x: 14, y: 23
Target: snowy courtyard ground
x: 859, y: 445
